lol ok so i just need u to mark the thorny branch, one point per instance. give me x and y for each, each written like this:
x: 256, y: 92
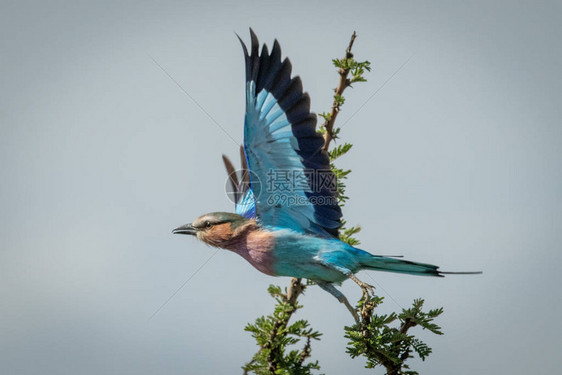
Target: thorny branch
x: 366, y: 313
x: 384, y: 345
x: 271, y: 349
x: 343, y: 84
x: 295, y: 289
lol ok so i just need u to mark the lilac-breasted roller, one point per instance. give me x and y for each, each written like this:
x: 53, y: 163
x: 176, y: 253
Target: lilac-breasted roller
x: 287, y: 217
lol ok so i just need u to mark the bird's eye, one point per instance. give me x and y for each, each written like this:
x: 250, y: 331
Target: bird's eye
x: 208, y: 224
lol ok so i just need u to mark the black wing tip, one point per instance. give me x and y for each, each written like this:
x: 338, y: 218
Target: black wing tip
x: 264, y: 50
x: 255, y: 43
x: 253, y: 34
x: 243, y: 44
x: 276, y: 46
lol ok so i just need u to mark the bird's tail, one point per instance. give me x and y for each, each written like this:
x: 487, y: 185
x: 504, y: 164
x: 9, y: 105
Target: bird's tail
x: 379, y: 263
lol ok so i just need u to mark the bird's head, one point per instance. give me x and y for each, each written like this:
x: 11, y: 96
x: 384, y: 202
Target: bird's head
x: 219, y: 229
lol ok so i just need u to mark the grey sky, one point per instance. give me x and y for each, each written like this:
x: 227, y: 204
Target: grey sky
x: 456, y: 162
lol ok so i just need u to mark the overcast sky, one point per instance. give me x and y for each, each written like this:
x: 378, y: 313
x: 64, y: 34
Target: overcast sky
x: 456, y: 162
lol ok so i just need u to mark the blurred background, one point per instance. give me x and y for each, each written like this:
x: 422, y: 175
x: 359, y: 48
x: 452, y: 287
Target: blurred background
x: 456, y: 162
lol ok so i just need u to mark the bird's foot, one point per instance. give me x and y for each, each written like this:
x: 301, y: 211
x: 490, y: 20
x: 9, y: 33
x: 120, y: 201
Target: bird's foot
x: 368, y: 290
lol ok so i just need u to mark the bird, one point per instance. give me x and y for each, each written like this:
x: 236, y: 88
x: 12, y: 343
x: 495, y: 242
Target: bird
x: 287, y: 215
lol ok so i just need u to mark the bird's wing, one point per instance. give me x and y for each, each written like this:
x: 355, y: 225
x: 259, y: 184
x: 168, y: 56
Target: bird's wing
x: 240, y: 187
x: 291, y: 179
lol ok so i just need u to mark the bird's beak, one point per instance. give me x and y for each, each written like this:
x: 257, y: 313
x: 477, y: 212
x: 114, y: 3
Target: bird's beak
x: 185, y: 229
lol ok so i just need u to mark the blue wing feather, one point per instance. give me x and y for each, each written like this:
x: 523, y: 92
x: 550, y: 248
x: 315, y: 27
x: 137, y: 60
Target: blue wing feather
x: 246, y: 205
x: 280, y: 135
x: 240, y: 187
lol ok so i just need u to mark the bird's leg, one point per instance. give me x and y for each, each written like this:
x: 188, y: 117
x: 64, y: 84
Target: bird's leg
x: 340, y: 297
x: 368, y: 289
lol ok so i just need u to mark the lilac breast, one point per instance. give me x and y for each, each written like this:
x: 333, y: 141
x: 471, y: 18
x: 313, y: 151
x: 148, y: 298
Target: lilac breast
x: 256, y: 248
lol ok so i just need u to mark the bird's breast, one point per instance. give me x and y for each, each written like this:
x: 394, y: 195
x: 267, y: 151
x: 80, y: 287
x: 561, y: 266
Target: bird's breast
x: 257, y: 249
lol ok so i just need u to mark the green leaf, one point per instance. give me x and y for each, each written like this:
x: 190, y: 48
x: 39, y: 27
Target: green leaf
x: 339, y: 150
x: 326, y: 116
x: 339, y: 100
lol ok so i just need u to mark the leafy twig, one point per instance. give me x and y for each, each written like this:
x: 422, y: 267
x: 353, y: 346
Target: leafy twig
x: 274, y: 335
x: 387, y: 346
x: 345, y: 66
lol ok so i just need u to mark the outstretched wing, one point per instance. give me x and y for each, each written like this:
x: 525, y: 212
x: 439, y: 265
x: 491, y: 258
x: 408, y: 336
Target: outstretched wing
x: 291, y: 179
